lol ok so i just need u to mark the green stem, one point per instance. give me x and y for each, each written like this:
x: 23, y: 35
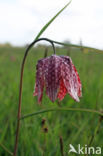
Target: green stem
x: 61, y: 146
x: 6, y: 149
x: 62, y: 109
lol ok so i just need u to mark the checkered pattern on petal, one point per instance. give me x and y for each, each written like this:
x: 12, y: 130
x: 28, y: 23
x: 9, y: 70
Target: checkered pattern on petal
x: 52, y: 76
x: 39, y: 81
x: 70, y: 78
x: 62, y: 90
x: 79, y: 86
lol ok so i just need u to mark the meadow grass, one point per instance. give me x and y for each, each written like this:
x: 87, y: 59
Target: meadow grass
x: 74, y: 127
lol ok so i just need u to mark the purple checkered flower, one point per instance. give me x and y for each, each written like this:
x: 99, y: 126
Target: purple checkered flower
x: 59, y: 76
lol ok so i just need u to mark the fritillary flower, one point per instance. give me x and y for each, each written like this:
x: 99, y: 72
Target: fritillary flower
x: 59, y: 77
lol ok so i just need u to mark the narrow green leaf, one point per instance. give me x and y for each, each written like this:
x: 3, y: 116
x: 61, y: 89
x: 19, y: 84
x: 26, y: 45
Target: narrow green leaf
x: 77, y: 46
x: 9, y: 152
x: 46, y: 26
x: 63, y: 109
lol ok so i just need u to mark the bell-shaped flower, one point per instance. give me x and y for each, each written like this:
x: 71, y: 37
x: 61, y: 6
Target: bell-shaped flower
x: 59, y: 76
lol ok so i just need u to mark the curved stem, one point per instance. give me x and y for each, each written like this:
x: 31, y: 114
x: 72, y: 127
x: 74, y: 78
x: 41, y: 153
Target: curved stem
x: 20, y: 88
x: 62, y: 109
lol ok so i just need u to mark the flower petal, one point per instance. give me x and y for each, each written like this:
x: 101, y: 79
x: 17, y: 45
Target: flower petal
x: 39, y: 81
x: 52, y: 76
x: 62, y: 91
x: 69, y: 78
x: 78, y: 81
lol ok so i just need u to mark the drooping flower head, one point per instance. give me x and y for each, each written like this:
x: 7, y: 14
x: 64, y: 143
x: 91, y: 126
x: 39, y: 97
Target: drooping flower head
x: 59, y: 76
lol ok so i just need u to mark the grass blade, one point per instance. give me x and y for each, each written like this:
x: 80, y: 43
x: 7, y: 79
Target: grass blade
x: 46, y: 26
x: 77, y: 46
x: 10, y: 153
x: 62, y: 109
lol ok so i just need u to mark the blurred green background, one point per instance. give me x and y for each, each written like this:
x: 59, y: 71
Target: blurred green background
x: 74, y: 127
